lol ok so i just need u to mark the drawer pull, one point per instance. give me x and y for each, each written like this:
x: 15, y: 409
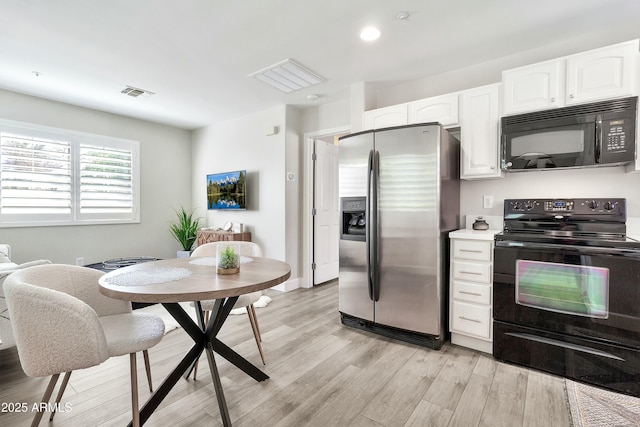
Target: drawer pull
x: 471, y: 293
x: 471, y: 250
x: 470, y: 320
x: 470, y: 272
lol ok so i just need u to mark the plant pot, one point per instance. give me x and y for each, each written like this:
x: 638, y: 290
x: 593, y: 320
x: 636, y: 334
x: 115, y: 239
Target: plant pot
x: 183, y: 254
x: 228, y: 270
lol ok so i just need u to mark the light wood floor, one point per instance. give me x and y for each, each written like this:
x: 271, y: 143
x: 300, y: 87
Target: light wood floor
x: 322, y: 374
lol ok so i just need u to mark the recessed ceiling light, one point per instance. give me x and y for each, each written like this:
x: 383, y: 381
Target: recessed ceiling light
x: 370, y: 34
x: 313, y: 97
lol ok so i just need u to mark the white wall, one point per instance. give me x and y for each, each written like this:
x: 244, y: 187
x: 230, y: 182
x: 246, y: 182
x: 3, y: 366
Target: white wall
x: 327, y: 116
x: 272, y: 215
x: 165, y: 184
x: 578, y: 183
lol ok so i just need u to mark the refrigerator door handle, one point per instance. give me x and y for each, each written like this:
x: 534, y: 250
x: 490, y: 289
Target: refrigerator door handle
x: 368, y: 223
x: 374, y: 227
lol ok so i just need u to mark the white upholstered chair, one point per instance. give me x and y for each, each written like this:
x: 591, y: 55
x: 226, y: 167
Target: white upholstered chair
x: 61, y: 322
x: 247, y: 300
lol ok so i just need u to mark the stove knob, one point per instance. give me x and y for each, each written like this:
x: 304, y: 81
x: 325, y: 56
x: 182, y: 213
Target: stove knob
x: 529, y: 205
x: 592, y: 204
x: 517, y: 206
x: 609, y: 206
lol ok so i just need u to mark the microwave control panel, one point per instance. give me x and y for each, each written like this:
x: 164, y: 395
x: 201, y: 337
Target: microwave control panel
x: 617, y: 135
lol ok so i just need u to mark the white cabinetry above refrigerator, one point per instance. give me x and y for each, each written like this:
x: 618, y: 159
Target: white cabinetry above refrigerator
x: 438, y: 109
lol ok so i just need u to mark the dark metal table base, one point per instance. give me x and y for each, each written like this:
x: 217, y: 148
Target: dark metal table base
x: 204, y: 337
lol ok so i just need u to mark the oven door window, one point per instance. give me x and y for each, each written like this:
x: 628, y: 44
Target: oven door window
x: 572, y: 289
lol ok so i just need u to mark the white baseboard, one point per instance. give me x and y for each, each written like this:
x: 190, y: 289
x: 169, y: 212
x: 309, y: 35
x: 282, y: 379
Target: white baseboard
x: 289, y: 285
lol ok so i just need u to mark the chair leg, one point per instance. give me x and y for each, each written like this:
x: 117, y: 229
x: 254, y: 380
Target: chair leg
x: 134, y: 390
x: 195, y: 365
x: 45, y: 399
x: 63, y: 386
x: 147, y: 367
x: 256, y: 332
x: 255, y: 320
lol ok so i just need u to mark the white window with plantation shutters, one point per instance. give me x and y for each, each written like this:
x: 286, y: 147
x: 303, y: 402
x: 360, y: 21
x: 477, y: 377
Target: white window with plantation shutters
x: 55, y: 177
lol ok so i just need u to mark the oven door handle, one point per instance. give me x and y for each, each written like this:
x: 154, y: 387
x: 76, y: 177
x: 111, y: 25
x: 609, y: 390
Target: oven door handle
x: 627, y: 252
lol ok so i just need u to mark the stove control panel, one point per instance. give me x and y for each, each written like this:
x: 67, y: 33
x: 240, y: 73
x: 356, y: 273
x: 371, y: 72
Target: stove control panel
x: 559, y: 205
x: 565, y: 207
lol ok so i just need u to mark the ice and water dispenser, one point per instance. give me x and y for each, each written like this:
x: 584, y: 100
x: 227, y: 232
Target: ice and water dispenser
x: 353, y: 218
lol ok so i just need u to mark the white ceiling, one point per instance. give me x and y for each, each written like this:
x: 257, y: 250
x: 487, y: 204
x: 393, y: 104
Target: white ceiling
x: 196, y: 55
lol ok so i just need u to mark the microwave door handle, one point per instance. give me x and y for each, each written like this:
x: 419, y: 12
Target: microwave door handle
x: 598, y: 139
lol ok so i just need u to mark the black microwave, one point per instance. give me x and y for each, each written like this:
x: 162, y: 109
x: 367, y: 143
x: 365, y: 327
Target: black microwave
x: 597, y: 134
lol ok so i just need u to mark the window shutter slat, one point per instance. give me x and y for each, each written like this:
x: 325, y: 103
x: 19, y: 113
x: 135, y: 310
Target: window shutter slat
x: 36, y: 175
x: 106, y: 181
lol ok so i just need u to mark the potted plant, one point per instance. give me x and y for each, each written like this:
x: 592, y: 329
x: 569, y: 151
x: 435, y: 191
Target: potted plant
x: 228, y: 259
x: 184, y: 230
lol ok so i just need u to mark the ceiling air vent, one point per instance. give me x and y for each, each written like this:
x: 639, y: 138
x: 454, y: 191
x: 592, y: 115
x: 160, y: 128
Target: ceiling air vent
x: 287, y: 76
x: 135, y: 92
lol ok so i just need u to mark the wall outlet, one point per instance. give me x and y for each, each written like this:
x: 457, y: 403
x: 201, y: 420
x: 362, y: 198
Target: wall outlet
x: 487, y: 202
x: 80, y: 261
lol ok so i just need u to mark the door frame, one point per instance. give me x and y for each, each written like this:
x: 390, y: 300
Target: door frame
x: 307, y: 199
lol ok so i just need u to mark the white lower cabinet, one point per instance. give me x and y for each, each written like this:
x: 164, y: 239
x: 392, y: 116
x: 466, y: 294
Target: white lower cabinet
x: 470, y: 296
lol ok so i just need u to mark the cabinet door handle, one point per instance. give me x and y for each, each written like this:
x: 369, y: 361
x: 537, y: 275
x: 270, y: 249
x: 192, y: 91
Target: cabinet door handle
x: 470, y: 320
x: 470, y: 272
x: 471, y: 250
x: 471, y: 293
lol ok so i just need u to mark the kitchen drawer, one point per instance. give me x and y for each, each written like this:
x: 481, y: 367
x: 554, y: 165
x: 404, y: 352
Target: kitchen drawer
x: 471, y: 319
x: 472, y: 292
x: 472, y: 249
x: 472, y: 271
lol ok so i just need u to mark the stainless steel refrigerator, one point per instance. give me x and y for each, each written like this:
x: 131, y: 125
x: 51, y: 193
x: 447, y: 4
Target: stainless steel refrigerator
x: 399, y: 198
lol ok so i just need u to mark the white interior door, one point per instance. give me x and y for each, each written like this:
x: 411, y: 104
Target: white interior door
x: 326, y: 229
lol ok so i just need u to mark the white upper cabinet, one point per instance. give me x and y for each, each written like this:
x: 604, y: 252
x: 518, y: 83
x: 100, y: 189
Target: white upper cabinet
x: 604, y: 73
x: 479, y: 144
x: 608, y: 72
x: 534, y: 87
x: 442, y: 109
x: 395, y: 115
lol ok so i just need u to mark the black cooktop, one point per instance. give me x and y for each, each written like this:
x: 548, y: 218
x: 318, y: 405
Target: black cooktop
x: 595, y: 223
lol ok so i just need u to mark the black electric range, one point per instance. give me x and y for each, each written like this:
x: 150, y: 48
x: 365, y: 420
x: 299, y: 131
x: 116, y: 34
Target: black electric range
x: 566, y: 291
